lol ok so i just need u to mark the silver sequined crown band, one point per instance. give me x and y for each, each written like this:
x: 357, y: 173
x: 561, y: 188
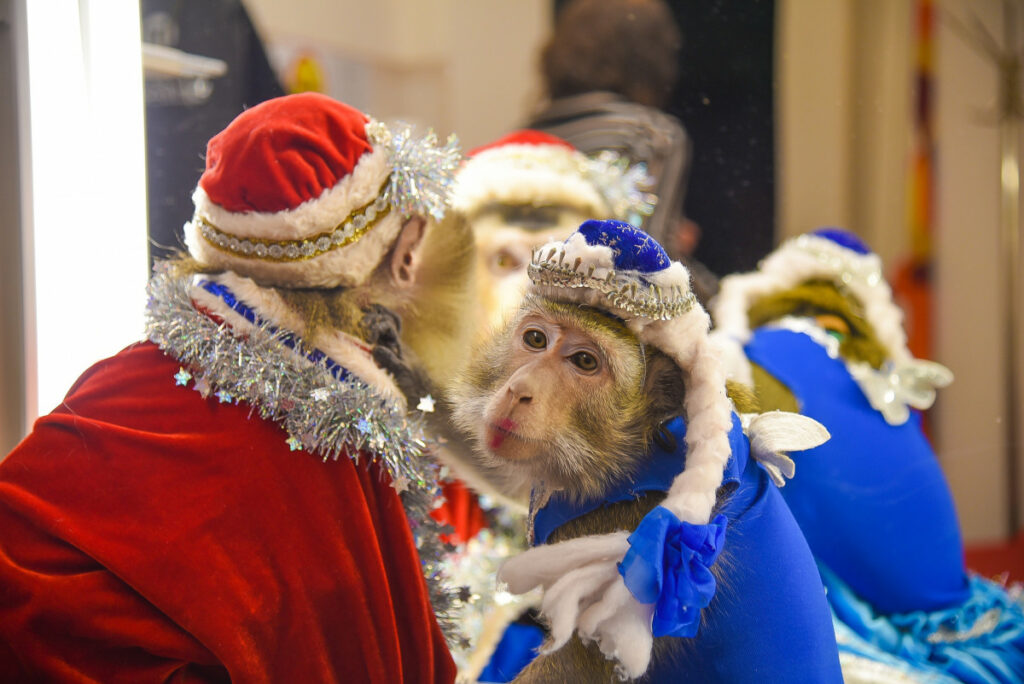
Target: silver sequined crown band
x: 627, y: 292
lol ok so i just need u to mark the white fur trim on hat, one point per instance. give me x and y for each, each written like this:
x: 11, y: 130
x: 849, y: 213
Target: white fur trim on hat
x: 344, y: 266
x: 810, y: 257
x: 340, y: 266
x: 310, y: 218
x: 533, y: 174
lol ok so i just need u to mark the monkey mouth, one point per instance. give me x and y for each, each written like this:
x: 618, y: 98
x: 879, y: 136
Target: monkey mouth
x: 498, y: 432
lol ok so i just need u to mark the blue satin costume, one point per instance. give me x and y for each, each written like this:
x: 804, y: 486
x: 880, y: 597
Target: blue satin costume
x: 878, y: 515
x: 768, y: 621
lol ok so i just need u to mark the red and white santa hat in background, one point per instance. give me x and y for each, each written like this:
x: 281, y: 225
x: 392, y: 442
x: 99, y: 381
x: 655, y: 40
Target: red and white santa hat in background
x: 306, y: 191
x: 526, y: 167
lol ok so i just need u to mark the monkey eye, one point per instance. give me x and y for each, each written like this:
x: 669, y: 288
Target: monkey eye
x: 535, y: 339
x: 585, y: 361
x: 507, y: 261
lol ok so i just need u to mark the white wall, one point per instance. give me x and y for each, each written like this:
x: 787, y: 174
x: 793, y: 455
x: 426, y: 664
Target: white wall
x: 467, y: 66
x: 82, y: 181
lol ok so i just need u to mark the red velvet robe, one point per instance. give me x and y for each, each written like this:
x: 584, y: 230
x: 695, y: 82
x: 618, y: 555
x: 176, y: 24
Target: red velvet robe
x: 149, y: 534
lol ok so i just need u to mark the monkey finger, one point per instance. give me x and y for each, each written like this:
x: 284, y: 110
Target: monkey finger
x: 387, y: 359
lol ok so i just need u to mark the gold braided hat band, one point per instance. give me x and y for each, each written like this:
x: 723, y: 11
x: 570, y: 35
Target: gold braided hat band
x: 349, y: 230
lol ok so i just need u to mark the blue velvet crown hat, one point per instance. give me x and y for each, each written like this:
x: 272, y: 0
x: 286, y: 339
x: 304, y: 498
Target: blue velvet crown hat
x: 826, y: 254
x: 839, y: 257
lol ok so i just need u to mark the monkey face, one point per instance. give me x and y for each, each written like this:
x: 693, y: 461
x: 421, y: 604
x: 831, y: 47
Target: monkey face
x: 835, y: 311
x: 561, y: 395
x: 555, y: 367
x: 506, y: 236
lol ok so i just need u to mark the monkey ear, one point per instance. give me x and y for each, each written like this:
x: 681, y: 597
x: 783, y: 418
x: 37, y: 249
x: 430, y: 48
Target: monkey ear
x: 404, y: 256
x: 663, y: 386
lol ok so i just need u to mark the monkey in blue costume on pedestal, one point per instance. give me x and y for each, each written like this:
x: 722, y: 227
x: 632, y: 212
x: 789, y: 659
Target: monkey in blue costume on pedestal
x: 815, y: 330
x: 665, y: 551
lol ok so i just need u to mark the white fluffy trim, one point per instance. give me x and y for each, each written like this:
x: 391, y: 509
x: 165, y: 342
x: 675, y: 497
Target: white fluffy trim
x: 268, y: 305
x: 527, y: 174
x: 345, y: 266
x: 583, y: 590
x: 310, y: 218
x: 708, y: 410
x: 806, y: 258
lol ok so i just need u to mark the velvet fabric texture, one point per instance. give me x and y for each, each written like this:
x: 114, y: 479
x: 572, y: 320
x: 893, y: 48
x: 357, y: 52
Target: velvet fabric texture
x: 309, y: 148
x: 149, y: 534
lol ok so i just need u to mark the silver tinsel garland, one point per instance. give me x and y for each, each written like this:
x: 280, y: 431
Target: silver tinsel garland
x: 322, y: 415
x: 421, y: 170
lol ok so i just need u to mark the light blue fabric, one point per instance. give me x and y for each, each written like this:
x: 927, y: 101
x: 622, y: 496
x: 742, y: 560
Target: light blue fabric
x: 980, y: 641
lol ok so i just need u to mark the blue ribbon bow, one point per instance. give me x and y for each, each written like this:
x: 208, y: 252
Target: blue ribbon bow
x: 669, y: 563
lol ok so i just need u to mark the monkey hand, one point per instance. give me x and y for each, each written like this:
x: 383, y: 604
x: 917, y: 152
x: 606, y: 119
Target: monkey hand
x: 775, y: 433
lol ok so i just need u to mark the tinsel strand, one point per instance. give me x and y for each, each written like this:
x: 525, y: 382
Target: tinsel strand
x: 328, y: 417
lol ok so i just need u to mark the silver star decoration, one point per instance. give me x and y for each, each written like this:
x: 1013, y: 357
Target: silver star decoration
x: 426, y: 404
x: 202, y: 386
x: 224, y: 397
x: 400, y: 483
x: 182, y: 377
x: 293, y: 444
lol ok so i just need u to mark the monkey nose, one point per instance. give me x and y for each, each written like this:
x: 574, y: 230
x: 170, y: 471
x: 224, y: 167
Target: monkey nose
x: 519, y: 392
x: 518, y: 396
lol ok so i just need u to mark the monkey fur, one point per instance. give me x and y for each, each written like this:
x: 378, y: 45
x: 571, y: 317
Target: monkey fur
x: 574, y: 433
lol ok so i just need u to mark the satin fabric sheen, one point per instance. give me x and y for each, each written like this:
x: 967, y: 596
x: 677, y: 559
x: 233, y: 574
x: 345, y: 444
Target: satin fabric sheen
x: 768, y: 620
x: 872, y: 501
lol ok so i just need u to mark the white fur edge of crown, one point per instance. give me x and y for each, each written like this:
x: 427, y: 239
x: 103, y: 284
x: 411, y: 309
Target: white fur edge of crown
x: 534, y: 174
x: 804, y: 258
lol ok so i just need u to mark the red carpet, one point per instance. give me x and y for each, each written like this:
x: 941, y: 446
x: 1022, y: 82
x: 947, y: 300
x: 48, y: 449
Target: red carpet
x: 993, y: 560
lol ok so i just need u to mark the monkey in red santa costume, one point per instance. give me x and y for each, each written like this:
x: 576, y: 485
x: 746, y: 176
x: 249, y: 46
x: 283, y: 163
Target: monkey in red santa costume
x: 245, y: 495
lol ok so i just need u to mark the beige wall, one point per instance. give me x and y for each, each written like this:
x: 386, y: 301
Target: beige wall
x: 844, y: 134
x: 467, y: 66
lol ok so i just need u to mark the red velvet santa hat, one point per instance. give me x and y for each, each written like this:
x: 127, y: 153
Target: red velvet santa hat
x: 306, y: 191
x: 527, y: 167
